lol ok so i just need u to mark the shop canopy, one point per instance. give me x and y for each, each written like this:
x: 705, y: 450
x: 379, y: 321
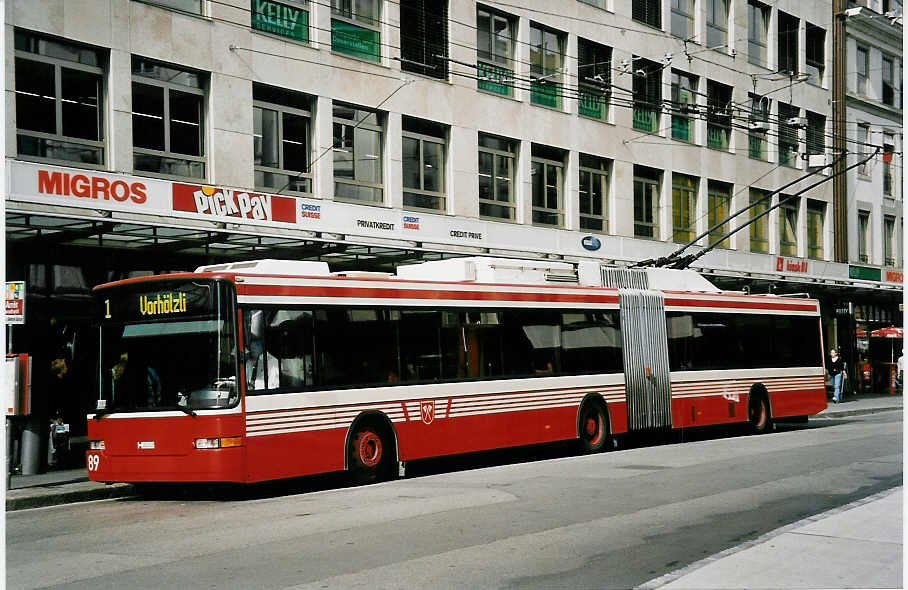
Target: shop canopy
x: 890, y: 332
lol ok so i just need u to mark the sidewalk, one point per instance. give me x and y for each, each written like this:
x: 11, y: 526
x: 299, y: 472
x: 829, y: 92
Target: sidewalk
x: 854, y: 546
x: 72, y: 485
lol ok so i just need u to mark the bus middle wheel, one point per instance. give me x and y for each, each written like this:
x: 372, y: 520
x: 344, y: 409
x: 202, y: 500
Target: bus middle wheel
x: 594, y: 431
x: 368, y: 456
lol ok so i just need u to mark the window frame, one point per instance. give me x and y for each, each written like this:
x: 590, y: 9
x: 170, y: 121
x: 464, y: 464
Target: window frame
x: 788, y: 224
x: 678, y: 14
x: 511, y: 158
x: 887, y: 96
x: 864, y: 245
x: 680, y: 118
x: 788, y: 135
x: 816, y: 133
x: 759, y: 229
x: 862, y: 74
x: 787, y: 43
x: 441, y: 196
x: 58, y: 64
x: 651, y: 187
x: 816, y: 225
x: 889, y: 240
x: 716, y: 191
x: 718, y: 116
x: 716, y: 22
x: 369, y: 23
x: 648, y: 12
x: 540, y: 203
x: 201, y: 92
x: 258, y: 26
x: 378, y: 188
x: 595, y: 174
x: 684, y: 192
x: 499, y: 70
x: 281, y: 169
x: 426, y: 45
x: 815, y: 63
x: 888, y: 176
x: 761, y: 57
x: 170, y: 5
x: 647, y: 109
x: 594, y: 92
x: 546, y: 80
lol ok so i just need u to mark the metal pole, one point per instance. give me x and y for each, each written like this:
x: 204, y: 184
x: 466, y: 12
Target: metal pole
x: 839, y: 183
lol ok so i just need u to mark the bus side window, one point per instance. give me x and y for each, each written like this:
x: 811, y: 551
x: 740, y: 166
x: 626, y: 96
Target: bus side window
x: 262, y: 367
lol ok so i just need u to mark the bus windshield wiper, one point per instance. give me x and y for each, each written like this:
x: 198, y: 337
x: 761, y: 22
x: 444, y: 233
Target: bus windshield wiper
x: 101, y: 413
x: 187, y: 410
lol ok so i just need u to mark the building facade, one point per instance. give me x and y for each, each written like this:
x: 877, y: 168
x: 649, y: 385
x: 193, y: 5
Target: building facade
x: 154, y: 135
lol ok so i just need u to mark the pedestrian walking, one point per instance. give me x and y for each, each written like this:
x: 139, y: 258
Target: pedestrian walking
x: 836, y: 369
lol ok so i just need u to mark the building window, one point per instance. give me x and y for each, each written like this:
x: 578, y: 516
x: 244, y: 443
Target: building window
x: 759, y: 127
x: 424, y: 37
x: 864, y: 236
x: 862, y: 67
x: 888, y: 240
x: 718, y: 115
x: 816, y: 216
x: 788, y: 226
x: 757, y: 33
x: 646, y: 202
x: 816, y: 133
x: 546, y: 63
x: 287, y: 18
x: 684, y: 102
x: 424, y: 164
x: 862, y: 139
x: 647, y: 89
x: 788, y: 44
x: 356, y: 28
x: 718, y: 202
x: 647, y: 11
x: 495, y: 34
x: 593, y: 193
x: 547, y: 182
x: 683, y: 19
x: 281, y: 140
x: 191, y: 6
x: 759, y: 226
x: 684, y: 208
x: 167, y: 120
x: 788, y: 134
x: 357, y: 154
x: 716, y: 23
x: 59, y: 91
x: 816, y: 53
x: 596, y: 3
x: 888, y: 152
x: 497, y: 166
x: 888, y: 81
x: 594, y: 73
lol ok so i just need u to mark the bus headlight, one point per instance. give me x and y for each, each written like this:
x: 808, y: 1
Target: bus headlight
x: 218, y: 443
x: 96, y: 445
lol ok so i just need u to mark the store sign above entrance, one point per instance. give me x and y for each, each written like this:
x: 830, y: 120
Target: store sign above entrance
x: 788, y: 265
x: 54, y: 185
x: 230, y: 204
x: 895, y: 276
x: 864, y: 272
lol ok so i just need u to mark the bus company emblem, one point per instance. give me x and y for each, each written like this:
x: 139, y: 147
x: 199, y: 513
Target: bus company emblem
x: 732, y: 397
x: 145, y: 445
x: 427, y: 409
x: 591, y: 243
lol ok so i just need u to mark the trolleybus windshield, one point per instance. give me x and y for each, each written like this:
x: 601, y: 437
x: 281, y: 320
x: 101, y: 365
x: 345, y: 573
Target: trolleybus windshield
x: 167, y: 345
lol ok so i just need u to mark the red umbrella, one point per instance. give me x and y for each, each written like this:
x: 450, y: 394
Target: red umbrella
x: 890, y: 332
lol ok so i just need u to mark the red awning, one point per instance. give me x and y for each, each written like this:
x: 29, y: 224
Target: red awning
x: 890, y: 332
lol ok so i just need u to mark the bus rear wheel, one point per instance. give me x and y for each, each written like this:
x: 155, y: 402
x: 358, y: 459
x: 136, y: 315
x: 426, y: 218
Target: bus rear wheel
x: 758, y: 414
x: 594, y: 431
x: 369, y: 457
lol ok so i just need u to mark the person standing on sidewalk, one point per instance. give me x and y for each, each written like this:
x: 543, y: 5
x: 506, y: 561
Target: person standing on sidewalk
x: 836, y: 369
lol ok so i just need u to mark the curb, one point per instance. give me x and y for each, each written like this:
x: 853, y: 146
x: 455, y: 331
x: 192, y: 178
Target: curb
x: 845, y: 413
x: 53, y: 497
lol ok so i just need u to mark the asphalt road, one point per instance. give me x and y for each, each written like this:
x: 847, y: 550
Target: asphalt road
x: 613, y: 520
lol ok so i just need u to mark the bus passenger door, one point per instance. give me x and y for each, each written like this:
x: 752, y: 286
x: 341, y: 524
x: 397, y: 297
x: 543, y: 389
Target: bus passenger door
x: 646, y: 376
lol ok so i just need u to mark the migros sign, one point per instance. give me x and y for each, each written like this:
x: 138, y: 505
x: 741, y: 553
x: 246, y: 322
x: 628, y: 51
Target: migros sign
x: 89, y: 186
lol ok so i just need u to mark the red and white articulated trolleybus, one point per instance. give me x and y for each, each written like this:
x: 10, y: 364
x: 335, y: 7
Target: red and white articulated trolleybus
x: 261, y: 370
